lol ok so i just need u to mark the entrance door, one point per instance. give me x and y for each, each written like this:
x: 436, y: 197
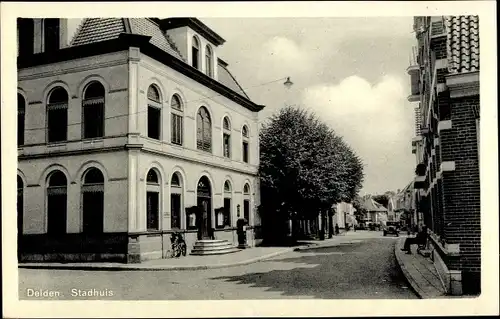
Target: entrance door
x: 204, y: 203
x: 206, y: 217
x: 246, y: 210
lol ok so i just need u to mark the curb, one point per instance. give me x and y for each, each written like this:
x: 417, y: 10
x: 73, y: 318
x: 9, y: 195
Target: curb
x: 413, y: 284
x: 126, y: 267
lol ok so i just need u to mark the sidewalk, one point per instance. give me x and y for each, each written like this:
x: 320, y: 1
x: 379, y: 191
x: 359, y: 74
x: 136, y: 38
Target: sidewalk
x: 420, y: 272
x: 189, y: 262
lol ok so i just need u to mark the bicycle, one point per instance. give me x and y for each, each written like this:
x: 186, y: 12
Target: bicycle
x: 178, y: 244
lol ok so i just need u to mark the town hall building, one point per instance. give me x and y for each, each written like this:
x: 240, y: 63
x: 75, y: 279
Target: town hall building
x: 132, y: 130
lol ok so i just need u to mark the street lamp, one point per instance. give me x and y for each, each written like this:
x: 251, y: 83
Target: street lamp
x: 288, y: 84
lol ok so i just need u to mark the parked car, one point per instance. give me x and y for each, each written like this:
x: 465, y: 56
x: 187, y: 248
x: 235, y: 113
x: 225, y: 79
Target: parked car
x: 391, y: 228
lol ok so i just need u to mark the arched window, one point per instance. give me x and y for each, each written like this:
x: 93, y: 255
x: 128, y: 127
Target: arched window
x: 226, y: 218
x: 246, y: 202
x: 26, y: 36
x: 20, y: 205
x: 204, y: 130
x: 154, y: 112
x: 208, y: 61
x: 244, y: 133
x: 93, y: 201
x: 177, y: 120
x: 57, y: 115
x: 153, y: 200
x: 226, y: 137
x: 195, y: 53
x: 21, y: 110
x: 51, y: 35
x: 93, y: 111
x: 176, y: 202
x: 56, y: 203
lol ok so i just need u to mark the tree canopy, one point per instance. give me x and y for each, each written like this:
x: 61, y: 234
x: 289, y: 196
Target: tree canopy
x: 305, y: 167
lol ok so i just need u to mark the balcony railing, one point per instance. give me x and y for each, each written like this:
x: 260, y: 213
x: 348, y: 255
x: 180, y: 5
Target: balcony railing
x: 413, y: 71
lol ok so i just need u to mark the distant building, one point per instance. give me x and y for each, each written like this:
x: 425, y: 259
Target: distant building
x: 444, y: 73
x: 344, y: 213
x: 376, y: 213
x: 402, y: 206
x: 133, y: 130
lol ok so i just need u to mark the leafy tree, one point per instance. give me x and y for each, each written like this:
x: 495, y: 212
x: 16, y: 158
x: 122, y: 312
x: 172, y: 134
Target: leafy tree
x: 305, y: 168
x: 361, y: 211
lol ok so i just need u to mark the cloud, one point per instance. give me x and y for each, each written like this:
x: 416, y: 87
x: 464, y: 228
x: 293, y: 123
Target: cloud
x: 373, y: 120
x: 284, y: 57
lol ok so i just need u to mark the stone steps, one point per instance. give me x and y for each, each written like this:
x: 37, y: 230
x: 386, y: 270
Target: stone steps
x: 213, y: 247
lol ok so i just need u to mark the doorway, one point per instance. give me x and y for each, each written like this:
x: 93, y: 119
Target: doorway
x: 204, y: 203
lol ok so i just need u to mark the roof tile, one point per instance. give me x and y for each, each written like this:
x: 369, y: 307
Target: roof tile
x: 462, y: 43
x: 93, y: 30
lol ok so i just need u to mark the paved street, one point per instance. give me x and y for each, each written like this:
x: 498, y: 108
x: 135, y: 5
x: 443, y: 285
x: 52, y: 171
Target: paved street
x: 365, y: 268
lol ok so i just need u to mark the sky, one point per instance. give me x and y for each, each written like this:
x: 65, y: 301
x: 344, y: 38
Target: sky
x: 349, y: 71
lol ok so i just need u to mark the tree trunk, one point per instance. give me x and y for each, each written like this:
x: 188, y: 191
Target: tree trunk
x: 330, y: 224
x: 322, y: 226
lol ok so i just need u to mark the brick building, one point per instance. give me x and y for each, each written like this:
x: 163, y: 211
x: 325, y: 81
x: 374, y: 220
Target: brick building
x: 132, y: 130
x: 444, y: 72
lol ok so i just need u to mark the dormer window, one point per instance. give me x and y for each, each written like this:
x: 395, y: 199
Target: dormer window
x: 51, y: 34
x: 208, y: 61
x: 195, y: 52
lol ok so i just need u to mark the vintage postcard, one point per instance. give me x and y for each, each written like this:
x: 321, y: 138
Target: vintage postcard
x: 249, y: 159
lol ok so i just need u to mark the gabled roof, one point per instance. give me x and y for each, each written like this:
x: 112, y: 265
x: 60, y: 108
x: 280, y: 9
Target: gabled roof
x: 462, y: 43
x: 372, y: 206
x: 94, y: 30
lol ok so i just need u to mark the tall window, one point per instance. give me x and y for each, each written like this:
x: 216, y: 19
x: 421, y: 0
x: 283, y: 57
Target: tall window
x: 175, y: 201
x: 20, y: 205
x: 208, y: 61
x: 154, y: 112
x: 195, y: 53
x: 204, y: 130
x: 26, y: 36
x: 244, y: 132
x: 57, y: 115
x: 153, y: 200
x: 93, y: 201
x: 246, y: 202
x: 227, y: 204
x: 93, y: 111
x: 56, y: 203
x: 21, y: 110
x: 51, y: 34
x: 177, y: 122
x: 226, y: 137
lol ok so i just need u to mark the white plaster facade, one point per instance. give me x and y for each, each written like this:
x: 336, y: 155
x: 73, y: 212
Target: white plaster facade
x: 125, y: 154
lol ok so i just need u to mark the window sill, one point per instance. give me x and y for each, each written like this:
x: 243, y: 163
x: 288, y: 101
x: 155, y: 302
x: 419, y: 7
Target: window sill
x: 57, y: 144
x: 93, y: 140
x: 204, y: 153
x: 154, y: 140
x: 180, y: 147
